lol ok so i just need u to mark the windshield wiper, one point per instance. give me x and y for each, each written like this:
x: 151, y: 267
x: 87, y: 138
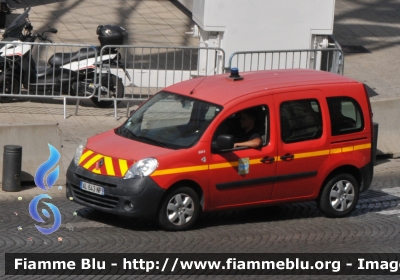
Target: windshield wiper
x: 153, y: 140
x: 130, y: 135
x: 123, y: 131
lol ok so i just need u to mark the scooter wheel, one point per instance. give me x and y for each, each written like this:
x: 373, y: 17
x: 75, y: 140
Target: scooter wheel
x: 8, y: 85
x: 116, y: 88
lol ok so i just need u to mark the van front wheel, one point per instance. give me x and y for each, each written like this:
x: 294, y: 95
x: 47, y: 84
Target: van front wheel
x: 339, y: 196
x: 179, y: 209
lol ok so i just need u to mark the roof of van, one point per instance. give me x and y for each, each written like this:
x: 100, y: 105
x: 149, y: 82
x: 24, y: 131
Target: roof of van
x: 220, y: 89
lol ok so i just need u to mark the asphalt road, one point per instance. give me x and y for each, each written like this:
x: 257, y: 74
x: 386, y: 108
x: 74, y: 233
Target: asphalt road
x: 373, y: 227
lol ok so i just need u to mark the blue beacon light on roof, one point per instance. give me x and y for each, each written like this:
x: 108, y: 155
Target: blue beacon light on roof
x: 235, y: 74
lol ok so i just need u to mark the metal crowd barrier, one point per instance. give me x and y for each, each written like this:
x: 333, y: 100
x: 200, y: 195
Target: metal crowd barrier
x: 140, y: 72
x: 330, y: 59
x: 145, y: 70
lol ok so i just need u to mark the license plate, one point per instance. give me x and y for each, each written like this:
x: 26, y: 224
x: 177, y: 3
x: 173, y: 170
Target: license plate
x: 92, y: 188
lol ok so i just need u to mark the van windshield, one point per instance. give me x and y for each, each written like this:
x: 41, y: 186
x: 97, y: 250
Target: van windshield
x: 170, y: 120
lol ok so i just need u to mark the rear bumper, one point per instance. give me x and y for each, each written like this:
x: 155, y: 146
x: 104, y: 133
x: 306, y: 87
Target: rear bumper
x: 367, y: 173
x: 144, y: 194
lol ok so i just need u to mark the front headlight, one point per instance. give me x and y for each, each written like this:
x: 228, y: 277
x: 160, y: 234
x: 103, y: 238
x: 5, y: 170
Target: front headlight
x: 142, y: 168
x: 79, y: 152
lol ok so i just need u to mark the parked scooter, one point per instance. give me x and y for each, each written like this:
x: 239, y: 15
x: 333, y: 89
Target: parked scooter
x: 67, y: 73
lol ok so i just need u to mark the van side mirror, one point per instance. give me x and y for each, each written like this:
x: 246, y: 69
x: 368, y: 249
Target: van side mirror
x: 225, y: 142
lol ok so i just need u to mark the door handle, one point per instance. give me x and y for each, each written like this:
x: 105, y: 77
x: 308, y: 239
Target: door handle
x: 287, y: 157
x: 267, y: 159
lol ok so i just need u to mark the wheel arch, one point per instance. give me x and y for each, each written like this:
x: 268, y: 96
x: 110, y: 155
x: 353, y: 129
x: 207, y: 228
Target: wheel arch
x: 187, y: 183
x: 348, y: 169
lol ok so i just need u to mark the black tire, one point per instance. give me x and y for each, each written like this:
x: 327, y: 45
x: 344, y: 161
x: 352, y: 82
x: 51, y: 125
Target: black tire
x: 8, y: 86
x: 179, y: 209
x: 339, y: 196
x: 116, y: 87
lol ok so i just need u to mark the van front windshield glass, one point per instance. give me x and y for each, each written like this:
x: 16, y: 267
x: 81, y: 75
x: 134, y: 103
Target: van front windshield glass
x: 170, y: 120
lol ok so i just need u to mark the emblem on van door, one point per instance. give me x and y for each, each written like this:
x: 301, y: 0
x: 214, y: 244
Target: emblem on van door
x: 243, y: 166
x: 100, y: 163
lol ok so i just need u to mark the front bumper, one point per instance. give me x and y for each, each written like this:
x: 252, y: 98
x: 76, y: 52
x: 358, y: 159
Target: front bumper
x: 143, y: 193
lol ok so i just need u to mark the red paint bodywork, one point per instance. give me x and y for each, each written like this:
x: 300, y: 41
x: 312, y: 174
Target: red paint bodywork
x: 263, y: 87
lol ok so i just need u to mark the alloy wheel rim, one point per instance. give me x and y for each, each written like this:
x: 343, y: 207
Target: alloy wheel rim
x: 180, y: 209
x: 342, y: 195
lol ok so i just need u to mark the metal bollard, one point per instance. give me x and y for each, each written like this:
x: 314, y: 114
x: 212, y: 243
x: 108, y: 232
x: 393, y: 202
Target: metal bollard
x: 12, y: 161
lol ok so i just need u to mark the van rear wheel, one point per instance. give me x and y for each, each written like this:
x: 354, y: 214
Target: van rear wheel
x: 179, y: 209
x: 339, y: 196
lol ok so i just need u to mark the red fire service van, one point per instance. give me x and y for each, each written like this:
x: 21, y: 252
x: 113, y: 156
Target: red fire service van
x: 232, y: 141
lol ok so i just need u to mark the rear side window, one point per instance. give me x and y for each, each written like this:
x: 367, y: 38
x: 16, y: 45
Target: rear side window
x: 300, y: 120
x: 346, y: 116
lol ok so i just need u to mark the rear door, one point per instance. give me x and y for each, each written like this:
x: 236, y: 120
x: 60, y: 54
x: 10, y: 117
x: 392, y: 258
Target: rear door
x: 303, y: 146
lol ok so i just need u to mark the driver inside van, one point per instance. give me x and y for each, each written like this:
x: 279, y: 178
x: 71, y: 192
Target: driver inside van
x: 250, y: 137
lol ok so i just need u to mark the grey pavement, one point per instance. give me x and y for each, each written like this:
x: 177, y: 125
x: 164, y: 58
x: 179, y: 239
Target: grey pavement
x: 148, y: 22
x: 375, y: 25
x: 373, y: 227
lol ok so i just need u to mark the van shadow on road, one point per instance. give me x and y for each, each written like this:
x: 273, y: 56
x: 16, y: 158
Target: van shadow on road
x: 371, y: 201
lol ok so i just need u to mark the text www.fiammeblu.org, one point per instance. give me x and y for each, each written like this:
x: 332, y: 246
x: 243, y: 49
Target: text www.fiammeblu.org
x: 235, y: 264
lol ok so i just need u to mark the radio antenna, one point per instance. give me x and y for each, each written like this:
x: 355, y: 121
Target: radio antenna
x: 197, y: 85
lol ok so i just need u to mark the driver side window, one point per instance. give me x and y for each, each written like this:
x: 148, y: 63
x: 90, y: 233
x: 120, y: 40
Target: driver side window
x: 245, y: 125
